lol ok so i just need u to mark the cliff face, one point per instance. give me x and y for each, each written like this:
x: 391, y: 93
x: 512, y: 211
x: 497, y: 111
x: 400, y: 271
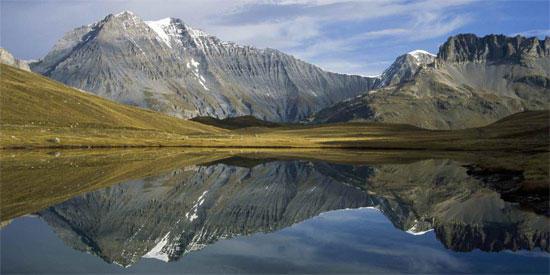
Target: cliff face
x: 170, y: 67
x: 474, y: 81
x: 493, y: 48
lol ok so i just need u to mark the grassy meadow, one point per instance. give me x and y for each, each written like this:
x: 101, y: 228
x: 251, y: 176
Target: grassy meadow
x: 37, y: 112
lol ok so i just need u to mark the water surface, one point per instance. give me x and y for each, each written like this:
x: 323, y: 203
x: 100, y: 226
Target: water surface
x: 250, y: 211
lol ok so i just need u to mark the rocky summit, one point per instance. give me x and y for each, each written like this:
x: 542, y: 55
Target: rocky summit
x: 405, y: 67
x: 170, y: 67
x: 473, y: 81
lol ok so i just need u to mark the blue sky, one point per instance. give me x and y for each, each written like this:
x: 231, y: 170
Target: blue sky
x: 358, y: 37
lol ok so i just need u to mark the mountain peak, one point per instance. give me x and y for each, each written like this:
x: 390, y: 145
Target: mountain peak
x: 493, y: 47
x: 124, y: 13
x: 405, y: 67
x: 164, y: 29
x: 422, y: 57
x: 170, y: 27
x: 417, y: 53
x: 123, y: 16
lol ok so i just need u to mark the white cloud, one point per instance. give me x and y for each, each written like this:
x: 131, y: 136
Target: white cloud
x: 279, y: 35
x: 357, y: 67
x: 317, y: 31
x: 309, y: 28
x: 531, y: 33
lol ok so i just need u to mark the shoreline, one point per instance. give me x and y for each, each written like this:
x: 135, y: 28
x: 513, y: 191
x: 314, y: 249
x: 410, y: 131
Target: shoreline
x: 350, y: 148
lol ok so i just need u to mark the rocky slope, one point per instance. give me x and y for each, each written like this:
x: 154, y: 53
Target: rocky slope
x: 440, y: 195
x: 473, y: 81
x: 166, y: 216
x: 167, y: 66
x: 8, y: 59
x: 169, y: 215
x: 405, y: 67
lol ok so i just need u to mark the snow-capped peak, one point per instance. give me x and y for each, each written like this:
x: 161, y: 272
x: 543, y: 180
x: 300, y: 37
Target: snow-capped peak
x: 126, y: 12
x: 422, y: 57
x: 168, y: 28
x: 418, y: 53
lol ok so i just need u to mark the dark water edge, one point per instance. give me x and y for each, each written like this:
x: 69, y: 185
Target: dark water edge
x: 343, y: 241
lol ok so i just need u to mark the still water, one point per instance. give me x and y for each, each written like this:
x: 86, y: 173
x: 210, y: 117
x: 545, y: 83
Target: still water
x: 278, y: 212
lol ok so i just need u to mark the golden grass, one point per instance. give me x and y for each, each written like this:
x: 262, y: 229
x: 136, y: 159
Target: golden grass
x: 36, y: 112
x: 33, y: 180
x: 30, y: 102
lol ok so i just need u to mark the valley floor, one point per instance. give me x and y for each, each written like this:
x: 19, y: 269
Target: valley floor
x: 528, y: 131
x: 37, y: 112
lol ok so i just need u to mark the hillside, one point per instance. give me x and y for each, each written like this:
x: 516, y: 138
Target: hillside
x: 526, y: 131
x: 169, y: 67
x: 472, y: 82
x: 38, y: 112
x: 33, y: 105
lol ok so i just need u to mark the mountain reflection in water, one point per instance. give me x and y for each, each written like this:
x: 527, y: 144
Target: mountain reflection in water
x: 185, y: 208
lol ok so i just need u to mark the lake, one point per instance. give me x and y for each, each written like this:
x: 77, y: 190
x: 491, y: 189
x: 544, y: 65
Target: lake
x: 277, y: 211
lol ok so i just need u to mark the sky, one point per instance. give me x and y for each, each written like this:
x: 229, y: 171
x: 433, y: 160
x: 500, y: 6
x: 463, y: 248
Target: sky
x: 346, y: 36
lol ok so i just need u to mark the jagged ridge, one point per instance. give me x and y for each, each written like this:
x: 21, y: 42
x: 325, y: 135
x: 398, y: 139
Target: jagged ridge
x: 169, y: 67
x: 473, y: 82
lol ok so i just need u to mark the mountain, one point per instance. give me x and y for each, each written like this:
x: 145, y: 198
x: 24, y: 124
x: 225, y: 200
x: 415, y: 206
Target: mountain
x: 169, y: 215
x: 473, y: 81
x: 38, y: 112
x: 8, y: 59
x: 177, y: 212
x: 405, y: 67
x: 170, y: 67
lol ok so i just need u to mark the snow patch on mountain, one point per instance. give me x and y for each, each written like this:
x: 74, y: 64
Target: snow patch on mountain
x: 156, y: 252
x: 417, y: 53
x: 159, y: 27
x: 416, y: 229
x: 405, y: 67
x: 422, y: 57
x: 169, y: 30
x: 192, y: 215
x: 195, y: 69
